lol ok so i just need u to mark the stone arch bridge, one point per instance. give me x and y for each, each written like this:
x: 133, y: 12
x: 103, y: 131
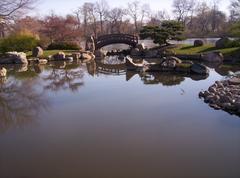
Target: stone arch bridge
x: 93, y: 44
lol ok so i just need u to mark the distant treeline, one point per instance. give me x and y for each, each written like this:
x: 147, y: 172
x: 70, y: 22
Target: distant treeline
x: 199, y: 18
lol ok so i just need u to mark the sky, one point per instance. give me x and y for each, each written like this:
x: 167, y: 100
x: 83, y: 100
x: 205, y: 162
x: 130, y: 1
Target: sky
x: 63, y: 7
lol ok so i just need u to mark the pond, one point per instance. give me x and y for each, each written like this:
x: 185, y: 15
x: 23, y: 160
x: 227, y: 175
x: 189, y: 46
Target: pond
x: 90, y: 120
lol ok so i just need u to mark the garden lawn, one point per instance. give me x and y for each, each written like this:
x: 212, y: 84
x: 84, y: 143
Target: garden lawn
x: 189, y: 49
x: 52, y: 52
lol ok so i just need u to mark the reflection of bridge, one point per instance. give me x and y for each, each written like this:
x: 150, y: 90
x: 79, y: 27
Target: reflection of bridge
x: 105, y: 40
x: 111, y: 69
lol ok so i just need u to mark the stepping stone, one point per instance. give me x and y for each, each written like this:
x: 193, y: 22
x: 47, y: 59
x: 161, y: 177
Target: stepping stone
x: 234, y: 81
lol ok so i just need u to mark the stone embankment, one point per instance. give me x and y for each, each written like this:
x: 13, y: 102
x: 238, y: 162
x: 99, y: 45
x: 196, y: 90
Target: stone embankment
x: 224, y: 95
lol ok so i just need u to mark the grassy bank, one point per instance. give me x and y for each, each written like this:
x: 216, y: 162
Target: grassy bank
x: 191, y: 50
x: 47, y: 53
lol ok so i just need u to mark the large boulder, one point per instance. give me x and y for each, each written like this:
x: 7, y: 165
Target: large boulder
x: 76, y: 56
x: 59, y: 56
x: 99, y: 54
x: 222, y: 43
x: 213, y: 57
x: 151, y: 53
x: 135, y: 52
x: 21, y: 68
x: 198, y: 43
x: 69, y: 58
x: 234, y: 81
x: 199, y: 69
x: 141, y: 47
x: 178, y: 61
x: 131, y: 65
x: 3, y: 72
x: 37, y: 52
x: 169, y: 63
x: 14, y: 58
x: 87, y: 55
x: 42, y: 61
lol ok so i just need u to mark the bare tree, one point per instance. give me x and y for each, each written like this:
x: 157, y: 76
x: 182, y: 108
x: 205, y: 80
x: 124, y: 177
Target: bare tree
x: 101, y: 7
x: 115, y: 18
x: 162, y: 15
x: 133, y: 11
x: 202, y: 17
x: 158, y: 17
x: 10, y: 8
x: 235, y: 10
x: 145, y: 13
x: 182, y: 9
x: 214, y: 14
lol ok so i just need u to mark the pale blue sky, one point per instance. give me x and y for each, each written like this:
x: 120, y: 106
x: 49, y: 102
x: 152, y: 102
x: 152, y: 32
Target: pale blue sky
x: 68, y: 6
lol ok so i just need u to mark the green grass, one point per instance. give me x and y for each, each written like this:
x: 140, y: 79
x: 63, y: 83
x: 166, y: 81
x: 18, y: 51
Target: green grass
x: 52, y: 52
x: 184, y: 66
x: 191, y: 50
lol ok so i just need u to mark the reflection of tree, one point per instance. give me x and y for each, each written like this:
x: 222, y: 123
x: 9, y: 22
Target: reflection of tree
x: 20, y: 103
x: 69, y: 77
x: 164, y: 78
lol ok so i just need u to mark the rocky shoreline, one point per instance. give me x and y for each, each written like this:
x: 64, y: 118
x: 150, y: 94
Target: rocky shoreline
x: 167, y: 64
x: 224, y: 95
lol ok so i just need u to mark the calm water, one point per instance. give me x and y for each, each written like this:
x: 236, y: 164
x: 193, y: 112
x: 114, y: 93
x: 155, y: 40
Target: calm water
x: 83, y: 121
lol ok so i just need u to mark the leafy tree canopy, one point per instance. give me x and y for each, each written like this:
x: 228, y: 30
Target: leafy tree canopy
x: 168, y: 30
x: 235, y: 30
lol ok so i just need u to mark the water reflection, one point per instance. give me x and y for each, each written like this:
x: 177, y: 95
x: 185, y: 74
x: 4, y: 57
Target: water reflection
x: 166, y: 79
x: 64, y: 76
x: 22, y: 94
x: 21, y: 72
x: 91, y: 68
x: 154, y: 126
x: 20, y: 103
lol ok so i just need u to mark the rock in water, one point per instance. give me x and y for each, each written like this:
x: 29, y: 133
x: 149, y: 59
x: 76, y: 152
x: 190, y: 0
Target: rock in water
x: 87, y: 56
x: 135, y: 52
x: 41, y: 61
x: 169, y: 63
x: 133, y: 66
x: 222, y: 42
x: 76, y: 56
x: 198, y: 43
x: 14, y: 58
x: 234, y: 81
x: 213, y: 57
x: 37, y: 52
x: 59, y: 56
x: 199, y: 69
x: 141, y: 47
x: 3, y: 72
x: 151, y: 53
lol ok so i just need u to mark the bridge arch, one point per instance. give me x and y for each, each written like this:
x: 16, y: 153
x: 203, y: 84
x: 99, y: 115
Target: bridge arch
x: 109, y: 39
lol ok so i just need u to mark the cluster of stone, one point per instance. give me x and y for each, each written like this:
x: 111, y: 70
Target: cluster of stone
x: 14, y: 58
x: 168, y: 64
x: 3, y: 72
x: 224, y: 95
x: 83, y: 55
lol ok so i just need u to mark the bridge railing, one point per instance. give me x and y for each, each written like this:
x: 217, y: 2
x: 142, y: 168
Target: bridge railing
x: 117, y: 36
